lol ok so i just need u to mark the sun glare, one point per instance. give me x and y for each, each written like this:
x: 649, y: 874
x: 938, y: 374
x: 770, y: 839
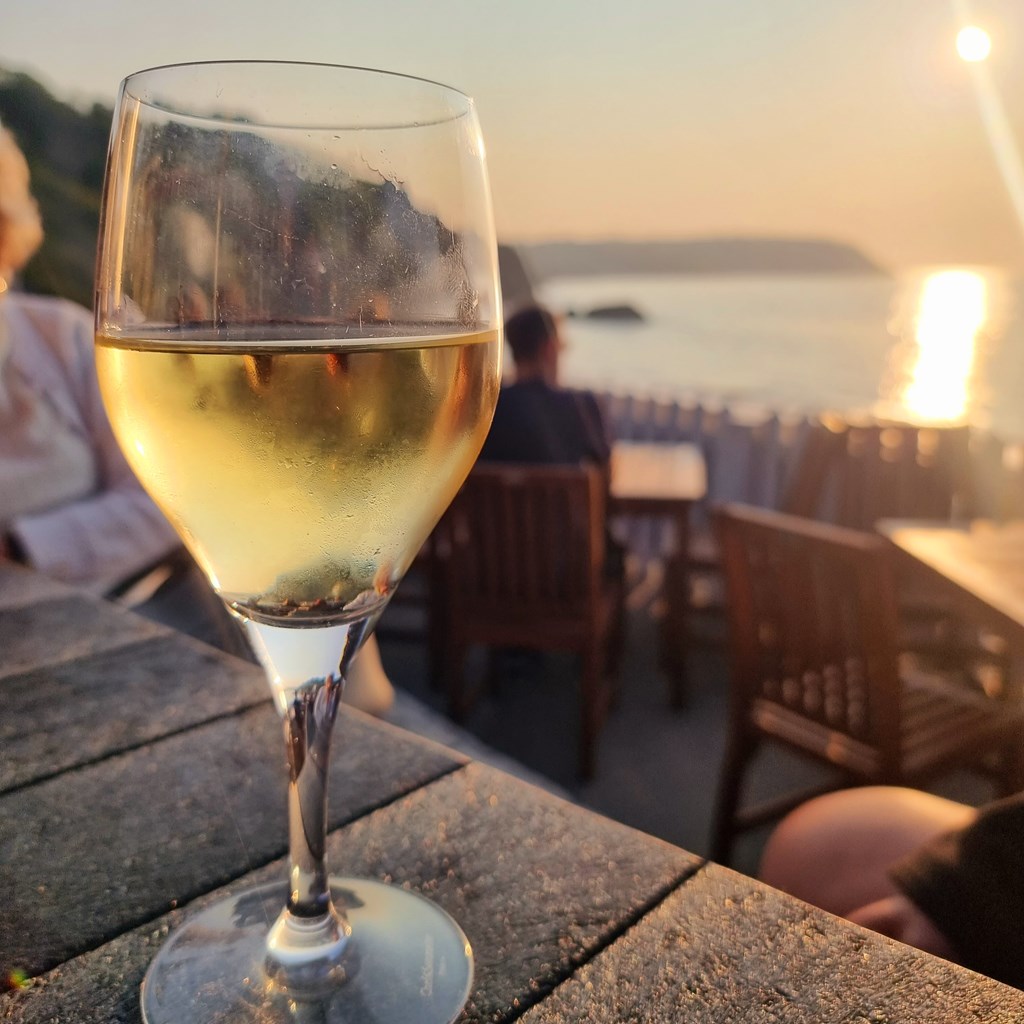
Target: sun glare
x: 973, y: 44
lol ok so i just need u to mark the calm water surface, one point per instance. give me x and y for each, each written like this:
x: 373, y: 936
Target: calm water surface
x: 939, y: 345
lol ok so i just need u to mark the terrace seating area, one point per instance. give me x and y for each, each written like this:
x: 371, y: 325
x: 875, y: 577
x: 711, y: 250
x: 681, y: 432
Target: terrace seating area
x: 656, y: 767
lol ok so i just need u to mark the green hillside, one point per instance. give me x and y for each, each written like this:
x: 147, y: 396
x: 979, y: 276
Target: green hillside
x: 66, y: 150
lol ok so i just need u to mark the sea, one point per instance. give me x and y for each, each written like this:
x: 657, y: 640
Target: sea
x: 935, y: 345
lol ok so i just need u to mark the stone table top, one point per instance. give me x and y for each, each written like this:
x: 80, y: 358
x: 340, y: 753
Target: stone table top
x: 142, y: 776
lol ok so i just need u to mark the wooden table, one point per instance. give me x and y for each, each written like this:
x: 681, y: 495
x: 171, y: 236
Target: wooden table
x: 664, y: 480
x: 980, y: 566
x: 142, y: 777
x: 656, y: 478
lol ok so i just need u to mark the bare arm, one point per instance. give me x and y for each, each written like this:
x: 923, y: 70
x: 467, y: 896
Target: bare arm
x: 900, y: 919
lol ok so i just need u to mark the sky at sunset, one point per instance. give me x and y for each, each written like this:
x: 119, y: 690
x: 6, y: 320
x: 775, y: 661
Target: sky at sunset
x: 851, y: 119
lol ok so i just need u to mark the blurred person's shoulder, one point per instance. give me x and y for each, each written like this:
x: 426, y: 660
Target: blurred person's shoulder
x: 65, y: 326
x: 53, y: 314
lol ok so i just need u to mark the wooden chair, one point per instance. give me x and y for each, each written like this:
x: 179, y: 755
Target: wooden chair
x: 815, y: 665
x: 522, y: 555
x: 853, y: 474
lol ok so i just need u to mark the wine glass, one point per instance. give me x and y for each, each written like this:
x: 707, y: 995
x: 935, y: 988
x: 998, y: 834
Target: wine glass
x: 298, y: 344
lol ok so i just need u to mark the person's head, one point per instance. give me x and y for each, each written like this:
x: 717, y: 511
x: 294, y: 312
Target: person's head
x: 21, y: 229
x: 532, y: 335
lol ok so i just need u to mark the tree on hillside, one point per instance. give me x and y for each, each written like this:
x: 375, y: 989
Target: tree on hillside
x: 66, y: 152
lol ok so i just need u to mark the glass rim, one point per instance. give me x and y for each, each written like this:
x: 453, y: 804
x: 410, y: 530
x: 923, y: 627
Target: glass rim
x: 126, y: 90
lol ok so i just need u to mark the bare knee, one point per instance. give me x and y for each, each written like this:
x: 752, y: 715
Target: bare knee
x: 835, y: 851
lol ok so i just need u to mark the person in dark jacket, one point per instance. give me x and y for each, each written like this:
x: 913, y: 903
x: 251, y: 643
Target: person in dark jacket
x: 536, y: 420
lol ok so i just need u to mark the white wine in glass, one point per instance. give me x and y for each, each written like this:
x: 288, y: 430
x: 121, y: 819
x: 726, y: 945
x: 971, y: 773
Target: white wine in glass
x: 298, y: 345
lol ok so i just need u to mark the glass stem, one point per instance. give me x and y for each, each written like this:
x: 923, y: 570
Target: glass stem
x: 306, y: 944
x: 308, y: 724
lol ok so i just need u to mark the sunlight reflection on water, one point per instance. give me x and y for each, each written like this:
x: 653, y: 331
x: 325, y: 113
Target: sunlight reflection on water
x: 933, y: 369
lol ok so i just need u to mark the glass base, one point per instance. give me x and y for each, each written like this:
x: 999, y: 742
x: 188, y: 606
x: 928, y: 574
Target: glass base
x: 406, y: 961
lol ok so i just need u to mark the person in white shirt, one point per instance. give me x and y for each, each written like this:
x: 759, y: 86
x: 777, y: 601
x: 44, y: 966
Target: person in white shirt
x: 69, y: 505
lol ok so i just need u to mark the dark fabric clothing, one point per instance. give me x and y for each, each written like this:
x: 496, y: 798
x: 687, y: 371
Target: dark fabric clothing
x: 970, y: 883
x: 534, y: 422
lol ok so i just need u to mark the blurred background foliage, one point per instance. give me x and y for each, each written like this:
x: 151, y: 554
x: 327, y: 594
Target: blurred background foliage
x: 66, y: 150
